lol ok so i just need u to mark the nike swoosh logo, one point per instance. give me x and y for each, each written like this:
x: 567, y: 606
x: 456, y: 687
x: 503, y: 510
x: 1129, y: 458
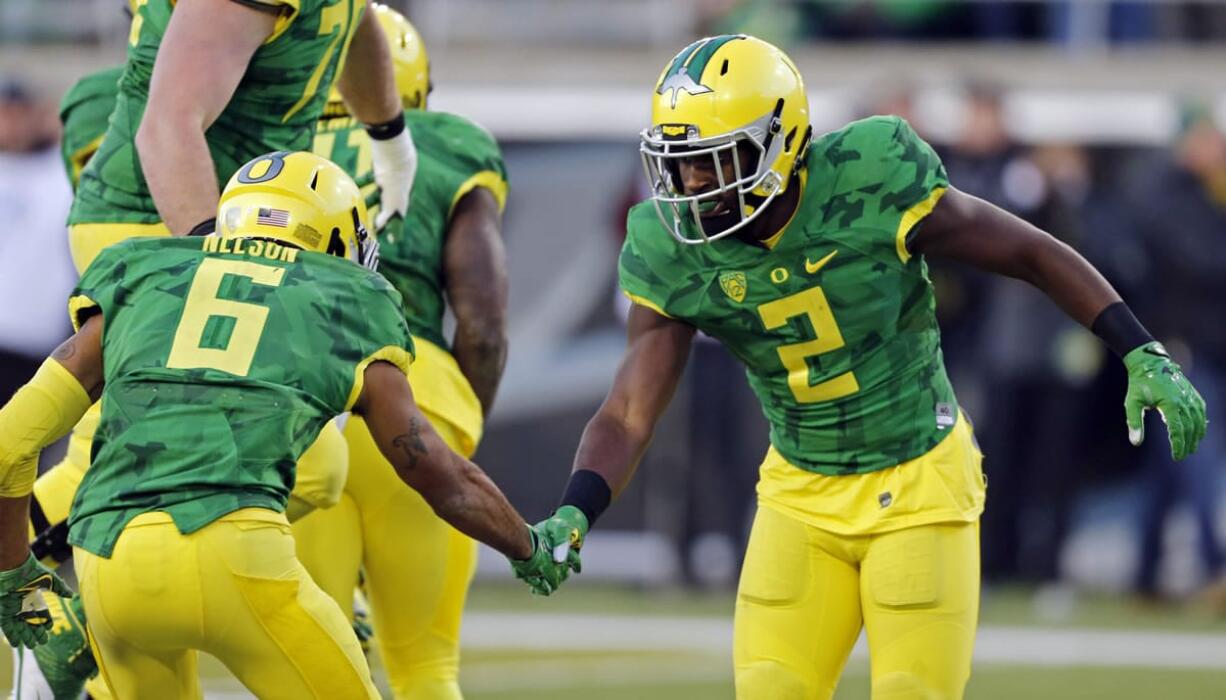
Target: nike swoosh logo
x: 813, y: 267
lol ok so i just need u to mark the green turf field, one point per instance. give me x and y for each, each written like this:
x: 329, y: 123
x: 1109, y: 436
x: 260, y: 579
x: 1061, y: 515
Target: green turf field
x: 510, y: 653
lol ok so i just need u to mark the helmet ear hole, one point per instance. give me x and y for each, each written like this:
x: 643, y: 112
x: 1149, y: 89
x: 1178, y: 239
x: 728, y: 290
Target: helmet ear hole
x: 315, y: 181
x: 724, y: 68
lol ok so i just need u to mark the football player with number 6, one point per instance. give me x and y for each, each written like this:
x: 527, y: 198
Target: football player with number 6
x: 225, y: 356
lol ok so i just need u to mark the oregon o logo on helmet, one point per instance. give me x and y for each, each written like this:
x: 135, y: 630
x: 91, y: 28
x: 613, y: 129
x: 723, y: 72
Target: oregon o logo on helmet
x: 276, y: 163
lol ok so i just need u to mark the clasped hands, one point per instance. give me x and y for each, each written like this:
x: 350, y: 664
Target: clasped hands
x: 556, y: 542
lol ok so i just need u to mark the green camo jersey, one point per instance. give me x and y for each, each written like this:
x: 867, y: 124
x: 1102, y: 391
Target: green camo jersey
x: 274, y: 108
x: 223, y: 359
x: 454, y: 155
x: 835, y: 323
x: 83, y: 115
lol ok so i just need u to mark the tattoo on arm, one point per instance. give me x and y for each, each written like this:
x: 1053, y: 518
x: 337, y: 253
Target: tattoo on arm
x: 66, y: 350
x: 411, y: 444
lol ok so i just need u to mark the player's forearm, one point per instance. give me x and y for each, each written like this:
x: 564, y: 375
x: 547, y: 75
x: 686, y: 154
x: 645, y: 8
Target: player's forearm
x: 474, y: 505
x: 457, y: 490
x: 481, y: 352
x: 611, y: 448
x: 1071, y: 281
x: 14, y: 531
x: 976, y: 232
x: 368, y: 80
x: 178, y: 167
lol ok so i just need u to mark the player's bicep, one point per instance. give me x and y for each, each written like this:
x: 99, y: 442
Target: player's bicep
x: 399, y: 428
x: 81, y: 355
x: 475, y: 259
x: 967, y: 229
x: 220, y: 34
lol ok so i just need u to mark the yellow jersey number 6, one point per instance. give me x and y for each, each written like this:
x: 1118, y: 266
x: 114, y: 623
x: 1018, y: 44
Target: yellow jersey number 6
x: 812, y: 303
x: 204, y: 304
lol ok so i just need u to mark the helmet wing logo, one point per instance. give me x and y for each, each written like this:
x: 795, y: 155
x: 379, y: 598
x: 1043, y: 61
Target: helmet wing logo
x: 678, y: 82
x: 734, y: 285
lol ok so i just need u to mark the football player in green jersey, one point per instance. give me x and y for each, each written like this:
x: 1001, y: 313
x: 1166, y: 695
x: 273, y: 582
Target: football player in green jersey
x: 177, y: 132
x: 83, y: 115
x: 183, y: 131
x: 806, y: 258
x: 212, y: 385
x: 446, y: 253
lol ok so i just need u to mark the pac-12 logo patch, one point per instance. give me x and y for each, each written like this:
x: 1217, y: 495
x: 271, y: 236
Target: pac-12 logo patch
x: 734, y: 285
x: 944, y: 415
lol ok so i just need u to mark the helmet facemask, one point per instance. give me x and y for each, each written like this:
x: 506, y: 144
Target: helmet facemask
x: 753, y: 181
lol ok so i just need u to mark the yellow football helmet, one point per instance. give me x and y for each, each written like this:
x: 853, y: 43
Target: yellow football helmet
x: 409, y: 60
x: 724, y: 97
x: 300, y: 199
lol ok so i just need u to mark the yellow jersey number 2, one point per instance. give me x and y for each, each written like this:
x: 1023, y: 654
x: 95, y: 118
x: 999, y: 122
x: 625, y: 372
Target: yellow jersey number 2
x: 812, y: 303
x: 203, y: 303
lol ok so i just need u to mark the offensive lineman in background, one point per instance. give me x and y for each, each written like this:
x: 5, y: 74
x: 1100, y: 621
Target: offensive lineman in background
x: 272, y: 63
x: 807, y: 260
x: 179, y: 535
x: 447, y: 252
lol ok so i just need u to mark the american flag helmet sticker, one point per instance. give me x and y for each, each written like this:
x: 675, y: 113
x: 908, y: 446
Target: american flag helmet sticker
x: 272, y: 217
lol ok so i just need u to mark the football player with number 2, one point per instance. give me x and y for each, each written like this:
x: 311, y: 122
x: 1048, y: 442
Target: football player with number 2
x: 806, y: 256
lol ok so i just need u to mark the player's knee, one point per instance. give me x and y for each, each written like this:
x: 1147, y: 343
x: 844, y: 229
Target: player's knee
x: 766, y: 679
x: 423, y: 674
x: 904, y: 685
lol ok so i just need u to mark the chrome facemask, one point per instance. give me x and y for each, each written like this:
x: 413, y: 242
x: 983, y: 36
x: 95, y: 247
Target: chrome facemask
x: 661, y: 158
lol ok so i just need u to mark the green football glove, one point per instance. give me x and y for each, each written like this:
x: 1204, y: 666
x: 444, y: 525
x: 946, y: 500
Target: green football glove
x: 564, y: 532
x: 24, y: 617
x: 539, y: 570
x: 1155, y: 381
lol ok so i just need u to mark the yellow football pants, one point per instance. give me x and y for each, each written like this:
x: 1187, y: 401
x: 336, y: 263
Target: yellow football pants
x: 805, y: 593
x: 416, y: 583
x: 233, y: 589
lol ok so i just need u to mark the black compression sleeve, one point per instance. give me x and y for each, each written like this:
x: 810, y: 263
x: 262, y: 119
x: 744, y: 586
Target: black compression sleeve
x: 1120, y: 329
x: 589, y: 492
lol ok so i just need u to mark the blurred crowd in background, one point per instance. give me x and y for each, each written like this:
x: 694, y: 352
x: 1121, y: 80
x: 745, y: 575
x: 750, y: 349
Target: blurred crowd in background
x: 1068, y: 22
x: 1045, y: 395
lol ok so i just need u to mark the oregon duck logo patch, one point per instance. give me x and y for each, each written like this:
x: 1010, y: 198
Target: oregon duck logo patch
x: 684, y: 74
x: 734, y: 285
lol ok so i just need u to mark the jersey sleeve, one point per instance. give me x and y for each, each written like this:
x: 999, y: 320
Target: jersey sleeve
x: 84, y: 112
x: 386, y: 336
x: 638, y: 266
x: 100, y: 286
x: 902, y: 173
x: 481, y: 164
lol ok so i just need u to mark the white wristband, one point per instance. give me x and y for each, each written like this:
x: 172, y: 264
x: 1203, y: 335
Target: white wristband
x: 395, y: 164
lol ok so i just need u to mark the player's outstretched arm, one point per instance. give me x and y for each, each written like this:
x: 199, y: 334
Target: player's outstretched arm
x: 614, y: 440
x: 966, y: 228
x: 367, y: 83
x: 475, y: 267
x: 202, y: 57
x: 457, y: 490
x: 39, y: 413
